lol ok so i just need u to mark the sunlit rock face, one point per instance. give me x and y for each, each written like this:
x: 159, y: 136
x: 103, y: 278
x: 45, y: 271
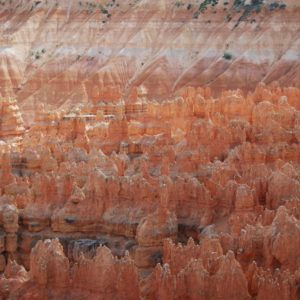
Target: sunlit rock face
x: 149, y: 150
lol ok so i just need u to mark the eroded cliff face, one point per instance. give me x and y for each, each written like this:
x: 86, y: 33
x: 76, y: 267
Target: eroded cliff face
x: 149, y: 150
x: 64, y: 52
x: 194, y: 198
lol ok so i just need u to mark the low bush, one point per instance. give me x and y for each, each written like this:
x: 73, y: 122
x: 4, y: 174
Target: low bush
x: 227, y: 55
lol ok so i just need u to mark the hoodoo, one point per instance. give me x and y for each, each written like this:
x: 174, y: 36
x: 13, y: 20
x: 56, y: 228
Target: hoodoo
x: 150, y: 149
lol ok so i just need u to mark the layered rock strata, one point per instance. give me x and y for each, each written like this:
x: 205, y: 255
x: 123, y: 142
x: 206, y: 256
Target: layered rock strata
x: 69, y: 52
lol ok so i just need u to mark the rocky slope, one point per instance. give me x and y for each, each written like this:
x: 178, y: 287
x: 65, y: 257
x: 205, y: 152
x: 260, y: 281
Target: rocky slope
x: 63, y: 52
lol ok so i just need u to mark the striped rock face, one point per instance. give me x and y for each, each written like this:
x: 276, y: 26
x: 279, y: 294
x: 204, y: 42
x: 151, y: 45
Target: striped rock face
x: 69, y: 52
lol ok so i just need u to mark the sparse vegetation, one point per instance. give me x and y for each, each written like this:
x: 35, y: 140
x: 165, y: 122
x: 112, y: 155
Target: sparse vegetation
x: 91, y: 5
x: 274, y: 5
x: 240, y: 5
x: 258, y: 9
x: 238, y: 2
x: 179, y: 3
x: 39, y: 53
x: 203, y: 5
x: 254, y: 6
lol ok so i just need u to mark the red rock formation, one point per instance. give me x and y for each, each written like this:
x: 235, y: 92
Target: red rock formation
x: 130, y: 181
x: 198, y: 272
x: 11, y: 122
x: 50, y: 276
x: 221, y: 175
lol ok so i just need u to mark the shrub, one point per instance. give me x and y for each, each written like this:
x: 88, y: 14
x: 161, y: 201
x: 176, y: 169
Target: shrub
x: 238, y: 2
x: 189, y: 6
x: 258, y: 9
x: 178, y: 3
x: 227, y: 55
x: 228, y: 17
x: 274, y: 5
x: 37, y: 55
x: 44, y: 50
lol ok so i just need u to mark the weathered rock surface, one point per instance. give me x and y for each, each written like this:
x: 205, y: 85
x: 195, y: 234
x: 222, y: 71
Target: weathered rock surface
x: 217, y: 177
x: 52, y: 277
x: 103, y: 49
x: 137, y: 173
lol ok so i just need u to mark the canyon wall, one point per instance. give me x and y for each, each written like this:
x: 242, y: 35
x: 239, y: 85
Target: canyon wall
x: 149, y: 149
x: 65, y: 52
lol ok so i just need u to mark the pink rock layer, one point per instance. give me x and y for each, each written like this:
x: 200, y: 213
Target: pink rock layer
x: 65, y: 52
